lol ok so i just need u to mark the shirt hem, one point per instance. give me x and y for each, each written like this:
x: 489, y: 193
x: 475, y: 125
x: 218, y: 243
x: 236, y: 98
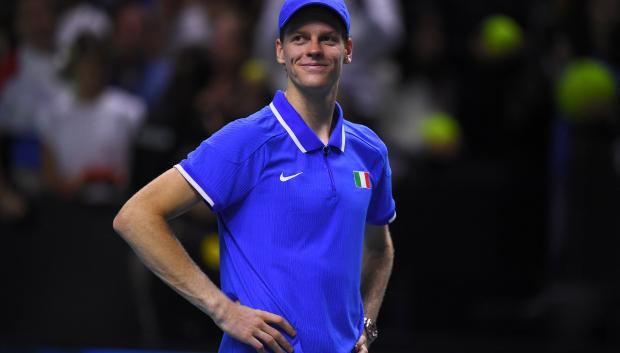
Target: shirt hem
x: 383, y: 221
x: 392, y: 218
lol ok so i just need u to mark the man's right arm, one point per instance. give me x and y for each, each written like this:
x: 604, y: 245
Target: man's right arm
x: 142, y: 222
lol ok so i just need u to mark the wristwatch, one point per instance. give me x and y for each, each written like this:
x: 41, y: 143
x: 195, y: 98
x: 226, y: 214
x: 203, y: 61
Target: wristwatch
x: 371, y: 330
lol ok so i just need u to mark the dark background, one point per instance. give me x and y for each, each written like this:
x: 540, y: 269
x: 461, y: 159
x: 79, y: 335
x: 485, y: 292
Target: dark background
x: 507, y: 236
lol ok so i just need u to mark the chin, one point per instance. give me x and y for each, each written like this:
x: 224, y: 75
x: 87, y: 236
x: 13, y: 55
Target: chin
x: 321, y: 84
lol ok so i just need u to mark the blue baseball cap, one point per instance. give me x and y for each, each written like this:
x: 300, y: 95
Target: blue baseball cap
x: 290, y: 7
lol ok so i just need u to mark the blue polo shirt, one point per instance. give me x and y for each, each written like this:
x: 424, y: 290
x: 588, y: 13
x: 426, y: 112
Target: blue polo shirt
x: 291, y: 215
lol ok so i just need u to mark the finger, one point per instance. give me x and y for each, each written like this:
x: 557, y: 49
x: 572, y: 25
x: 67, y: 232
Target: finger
x: 269, y: 341
x: 361, y: 340
x: 282, y: 341
x: 256, y: 344
x: 361, y: 348
x: 278, y: 320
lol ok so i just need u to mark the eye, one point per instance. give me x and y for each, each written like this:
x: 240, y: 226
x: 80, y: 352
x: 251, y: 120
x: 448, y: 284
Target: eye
x: 297, y: 38
x: 330, y: 39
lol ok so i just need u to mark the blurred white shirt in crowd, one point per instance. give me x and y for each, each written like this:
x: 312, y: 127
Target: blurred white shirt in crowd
x: 30, y: 90
x: 92, y: 137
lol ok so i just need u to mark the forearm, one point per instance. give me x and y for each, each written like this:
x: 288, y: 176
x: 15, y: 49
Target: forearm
x: 152, y: 240
x: 376, y: 270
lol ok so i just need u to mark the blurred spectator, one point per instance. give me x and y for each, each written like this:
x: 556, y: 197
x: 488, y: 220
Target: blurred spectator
x: 372, y: 75
x: 76, y: 20
x: 426, y: 90
x: 504, y: 101
x: 188, y: 23
x: 174, y: 126
x: 238, y: 87
x: 89, y: 128
x: 210, y: 84
x: 127, y: 60
x: 505, y: 107
x: 30, y: 90
x: 579, y: 298
x: 140, y: 62
x: 157, y: 62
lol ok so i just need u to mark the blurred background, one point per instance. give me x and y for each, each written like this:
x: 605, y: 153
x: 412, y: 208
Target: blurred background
x: 501, y: 118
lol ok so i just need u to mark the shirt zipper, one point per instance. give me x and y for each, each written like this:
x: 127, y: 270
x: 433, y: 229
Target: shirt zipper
x: 331, y: 177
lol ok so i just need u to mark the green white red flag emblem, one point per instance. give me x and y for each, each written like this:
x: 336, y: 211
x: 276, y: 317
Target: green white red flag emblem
x: 362, y: 179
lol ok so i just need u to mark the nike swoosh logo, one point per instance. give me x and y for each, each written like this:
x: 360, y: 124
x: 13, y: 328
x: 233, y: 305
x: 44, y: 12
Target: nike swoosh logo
x: 287, y: 178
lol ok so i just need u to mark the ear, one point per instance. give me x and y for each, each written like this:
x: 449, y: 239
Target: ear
x: 280, y: 52
x: 348, y: 48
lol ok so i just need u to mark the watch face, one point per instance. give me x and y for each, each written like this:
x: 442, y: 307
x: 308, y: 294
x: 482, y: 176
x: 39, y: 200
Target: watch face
x: 371, y: 330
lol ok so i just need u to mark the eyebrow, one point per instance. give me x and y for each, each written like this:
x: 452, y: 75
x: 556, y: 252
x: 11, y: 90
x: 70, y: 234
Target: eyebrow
x: 322, y: 33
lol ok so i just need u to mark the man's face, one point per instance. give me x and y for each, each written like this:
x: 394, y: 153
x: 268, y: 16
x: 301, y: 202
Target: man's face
x: 313, y: 49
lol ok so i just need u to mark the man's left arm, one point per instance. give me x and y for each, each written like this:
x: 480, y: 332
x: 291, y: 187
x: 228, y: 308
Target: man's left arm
x: 376, y: 269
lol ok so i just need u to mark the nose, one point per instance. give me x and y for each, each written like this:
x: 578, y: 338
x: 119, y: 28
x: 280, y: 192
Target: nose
x: 315, y: 48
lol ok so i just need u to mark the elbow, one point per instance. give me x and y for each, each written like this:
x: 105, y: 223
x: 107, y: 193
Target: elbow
x: 122, y: 220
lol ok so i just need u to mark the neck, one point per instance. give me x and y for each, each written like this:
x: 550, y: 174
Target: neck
x: 317, y: 110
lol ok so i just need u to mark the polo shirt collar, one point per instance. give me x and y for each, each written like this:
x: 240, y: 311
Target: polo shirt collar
x: 303, y: 136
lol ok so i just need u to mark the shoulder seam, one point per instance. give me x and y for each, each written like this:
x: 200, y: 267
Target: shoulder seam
x: 251, y: 154
x: 268, y: 138
x: 352, y: 133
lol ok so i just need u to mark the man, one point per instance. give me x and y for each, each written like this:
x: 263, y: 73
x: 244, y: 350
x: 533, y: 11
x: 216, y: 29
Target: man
x: 293, y: 186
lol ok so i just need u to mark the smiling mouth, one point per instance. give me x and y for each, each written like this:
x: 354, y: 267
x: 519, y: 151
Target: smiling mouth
x: 314, y: 67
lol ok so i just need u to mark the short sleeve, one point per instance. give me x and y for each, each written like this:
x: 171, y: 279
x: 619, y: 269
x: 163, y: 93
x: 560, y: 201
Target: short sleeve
x: 382, y: 208
x: 220, y: 176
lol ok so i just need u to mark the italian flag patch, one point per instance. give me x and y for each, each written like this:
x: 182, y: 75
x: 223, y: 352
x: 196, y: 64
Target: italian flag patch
x: 362, y: 180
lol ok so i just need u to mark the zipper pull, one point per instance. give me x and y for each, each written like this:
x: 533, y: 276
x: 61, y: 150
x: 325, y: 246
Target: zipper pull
x: 325, y: 150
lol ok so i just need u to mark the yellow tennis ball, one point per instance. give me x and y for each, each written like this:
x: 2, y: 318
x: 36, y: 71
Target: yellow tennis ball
x: 585, y: 86
x: 254, y: 71
x: 210, y: 251
x: 440, y: 129
x: 500, y: 35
